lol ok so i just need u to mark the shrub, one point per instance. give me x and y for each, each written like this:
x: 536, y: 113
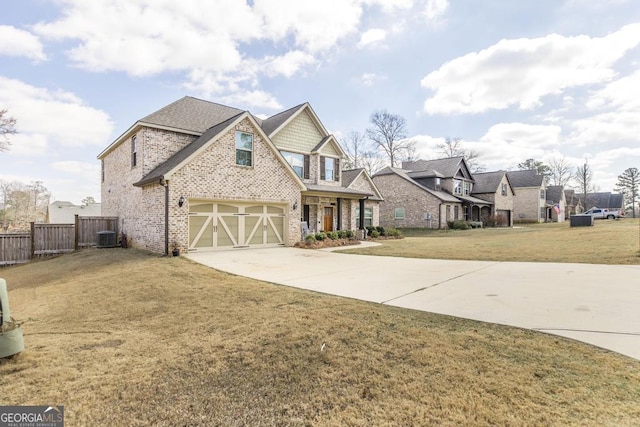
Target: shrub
x: 310, y: 238
x: 458, y: 224
x: 342, y: 234
x: 375, y: 233
x: 381, y: 230
x: 320, y: 236
x: 394, y: 232
x: 350, y: 234
x: 333, y: 235
x: 369, y: 229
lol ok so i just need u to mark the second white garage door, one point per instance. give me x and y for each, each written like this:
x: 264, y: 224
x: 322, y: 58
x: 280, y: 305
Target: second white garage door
x: 219, y: 225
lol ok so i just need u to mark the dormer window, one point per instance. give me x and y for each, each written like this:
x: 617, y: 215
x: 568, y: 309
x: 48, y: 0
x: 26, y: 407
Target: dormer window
x: 437, y: 184
x: 457, y: 186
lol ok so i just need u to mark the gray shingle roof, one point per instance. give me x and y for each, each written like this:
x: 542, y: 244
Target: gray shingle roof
x: 525, y: 178
x: 191, y: 114
x: 274, y: 122
x: 349, y: 176
x: 602, y: 200
x: 448, y: 167
x: 335, y: 189
x: 487, y: 182
x: 442, y: 195
x: 554, y: 193
x: 164, y: 168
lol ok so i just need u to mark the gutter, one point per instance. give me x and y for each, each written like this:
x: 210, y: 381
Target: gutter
x: 165, y: 184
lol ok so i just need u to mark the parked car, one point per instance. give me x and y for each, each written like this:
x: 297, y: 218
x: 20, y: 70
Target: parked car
x: 598, y: 213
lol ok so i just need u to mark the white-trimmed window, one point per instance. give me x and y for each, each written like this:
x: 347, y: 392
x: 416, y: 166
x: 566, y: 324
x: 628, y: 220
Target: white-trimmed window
x: 299, y: 163
x: 329, y: 169
x: 368, y: 217
x: 504, y: 189
x: 244, y: 149
x: 457, y: 186
x: 467, y: 188
x: 398, y: 213
x: 134, y: 150
x: 438, y: 183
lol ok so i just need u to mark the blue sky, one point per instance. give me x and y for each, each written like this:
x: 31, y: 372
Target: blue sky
x: 514, y: 79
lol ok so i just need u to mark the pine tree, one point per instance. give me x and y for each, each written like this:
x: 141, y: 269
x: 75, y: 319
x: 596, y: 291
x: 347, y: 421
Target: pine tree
x: 629, y: 185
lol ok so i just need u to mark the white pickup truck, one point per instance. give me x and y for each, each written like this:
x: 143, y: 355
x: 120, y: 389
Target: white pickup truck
x: 598, y: 213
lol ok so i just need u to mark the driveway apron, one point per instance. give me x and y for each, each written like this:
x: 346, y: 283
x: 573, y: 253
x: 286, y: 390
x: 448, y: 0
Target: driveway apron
x: 596, y: 304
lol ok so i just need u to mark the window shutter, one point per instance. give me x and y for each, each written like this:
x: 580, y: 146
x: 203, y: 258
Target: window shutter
x: 305, y: 173
x: 322, y: 171
x: 336, y: 173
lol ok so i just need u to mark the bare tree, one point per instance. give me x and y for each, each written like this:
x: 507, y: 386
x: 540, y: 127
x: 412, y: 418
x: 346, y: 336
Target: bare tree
x: 372, y: 162
x: 89, y: 200
x: 560, y: 171
x: 388, y: 133
x: 356, y: 145
x: 454, y: 148
x: 629, y: 185
x: 23, y: 204
x: 584, y: 178
x: 7, y: 127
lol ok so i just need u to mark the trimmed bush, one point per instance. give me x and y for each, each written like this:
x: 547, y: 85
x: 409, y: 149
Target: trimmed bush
x: 458, y: 224
x: 350, y: 234
x: 333, y: 235
x: 310, y: 238
x: 375, y: 233
x: 394, y: 232
x: 381, y: 230
x: 320, y: 236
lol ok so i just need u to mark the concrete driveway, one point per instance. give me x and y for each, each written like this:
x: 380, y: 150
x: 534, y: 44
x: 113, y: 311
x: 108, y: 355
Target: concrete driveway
x: 596, y: 304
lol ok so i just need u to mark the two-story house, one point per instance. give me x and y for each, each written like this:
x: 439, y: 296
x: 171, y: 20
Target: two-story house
x: 530, y: 199
x: 196, y: 175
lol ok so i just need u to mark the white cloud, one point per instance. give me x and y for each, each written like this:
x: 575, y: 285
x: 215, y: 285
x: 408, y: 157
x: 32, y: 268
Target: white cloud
x: 253, y: 98
x: 435, y: 9
x: 622, y: 94
x: 606, y: 128
x: 47, y: 117
x: 369, y: 79
x: 524, y: 134
x: 17, y: 42
x: 372, y: 36
x: 522, y: 71
x: 288, y: 64
x: 87, y: 170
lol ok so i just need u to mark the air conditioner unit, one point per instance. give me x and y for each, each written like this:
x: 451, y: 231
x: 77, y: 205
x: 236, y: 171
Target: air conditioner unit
x: 106, y: 239
x: 11, y: 340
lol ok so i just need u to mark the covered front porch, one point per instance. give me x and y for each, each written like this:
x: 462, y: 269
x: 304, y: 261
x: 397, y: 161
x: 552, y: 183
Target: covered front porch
x: 475, y: 209
x: 330, y: 208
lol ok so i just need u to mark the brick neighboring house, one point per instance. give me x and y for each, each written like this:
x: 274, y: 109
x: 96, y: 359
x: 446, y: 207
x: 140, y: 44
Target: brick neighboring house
x: 530, y: 200
x: 557, y: 201
x: 573, y: 204
x: 359, y: 179
x: 496, y: 188
x: 196, y: 175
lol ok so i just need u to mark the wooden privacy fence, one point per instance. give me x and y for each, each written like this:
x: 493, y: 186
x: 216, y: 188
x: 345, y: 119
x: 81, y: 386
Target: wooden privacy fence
x: 52, y: 239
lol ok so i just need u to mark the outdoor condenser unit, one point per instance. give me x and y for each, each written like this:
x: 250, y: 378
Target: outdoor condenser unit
x: 106, y: 239
x: 11, y: 340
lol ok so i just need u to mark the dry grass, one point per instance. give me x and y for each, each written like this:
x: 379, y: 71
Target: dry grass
x: 120, y: 337
x: 607, y: 242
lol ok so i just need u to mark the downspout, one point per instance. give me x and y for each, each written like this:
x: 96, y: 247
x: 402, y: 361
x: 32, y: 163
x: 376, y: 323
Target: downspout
x: 166, y: 216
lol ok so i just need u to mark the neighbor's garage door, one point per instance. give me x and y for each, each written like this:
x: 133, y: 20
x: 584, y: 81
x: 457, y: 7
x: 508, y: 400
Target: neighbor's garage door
x: 231, y: 225
x: 504, y: 218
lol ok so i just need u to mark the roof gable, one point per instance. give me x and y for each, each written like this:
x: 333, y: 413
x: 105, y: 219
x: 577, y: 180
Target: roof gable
x: 489, y: 182
x: 360, y: 178
x: 165, y: 170
x: 329, y: 145
x: 444, y: 196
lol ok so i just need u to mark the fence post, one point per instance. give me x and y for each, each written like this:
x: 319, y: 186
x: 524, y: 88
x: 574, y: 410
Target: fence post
x: 33, y: 240
x: 75, y: 243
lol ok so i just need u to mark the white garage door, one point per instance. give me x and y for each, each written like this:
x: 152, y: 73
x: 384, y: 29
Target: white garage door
x: 219, y: 225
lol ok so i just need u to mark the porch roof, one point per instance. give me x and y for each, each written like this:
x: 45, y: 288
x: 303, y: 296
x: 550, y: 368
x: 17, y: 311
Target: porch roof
x: 474, y: 200
x: 334, y: 191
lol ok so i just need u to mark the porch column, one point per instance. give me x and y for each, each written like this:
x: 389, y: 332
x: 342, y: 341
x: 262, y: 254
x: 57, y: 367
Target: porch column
x: 361, y: 214
x: 339, y: 213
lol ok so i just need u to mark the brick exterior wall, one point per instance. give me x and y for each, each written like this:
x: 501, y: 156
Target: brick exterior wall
x: 398, y: 192
x: 501, y: 202
x: 212, y: 175
x: 527, y: 204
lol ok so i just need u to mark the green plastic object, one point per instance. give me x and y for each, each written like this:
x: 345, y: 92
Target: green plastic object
x: 11, y: 339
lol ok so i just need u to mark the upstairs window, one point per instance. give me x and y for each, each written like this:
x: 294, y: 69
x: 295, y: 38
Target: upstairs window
x: 244, y: 149
x: 467, y: 188
x: 542, y: 195
x: 504, y: 189
x: 299, y: 163
x: 134, y: 150
x: 437, y: 184
x: 457, y: 186
x: 329, y: 169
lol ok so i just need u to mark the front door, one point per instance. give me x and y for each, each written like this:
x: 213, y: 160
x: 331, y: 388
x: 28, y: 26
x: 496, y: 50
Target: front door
x: 328, y: 219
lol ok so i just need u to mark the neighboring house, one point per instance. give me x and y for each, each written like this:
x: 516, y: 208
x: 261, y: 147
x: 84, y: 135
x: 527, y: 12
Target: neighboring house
x: 557, y: 202
x: 529, y: 201
x: 602, y: 200
x: 494, y: 187
x: 413, y: 203
x: 197, y: 175
x: 573, y: 204
x: 62, y: 212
